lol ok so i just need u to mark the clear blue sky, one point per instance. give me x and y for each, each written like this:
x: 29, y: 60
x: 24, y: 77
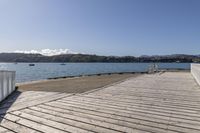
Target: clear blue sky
x: 104, y: 27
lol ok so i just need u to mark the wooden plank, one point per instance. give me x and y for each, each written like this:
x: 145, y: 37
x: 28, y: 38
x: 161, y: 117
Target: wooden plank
x: 107, y: 120
x: 21, y: 95
x: 32, y: 103
x: 4, y: 130
x: 124, y: 115
x: 101, y: 104
x: 50, y: 123
x: 80, y: 122
x: 130, y: 100
x: 35, y: 102
x: 151, y: 116
x: 27, y: 99
x: 123, y: 112
x: 148, y: 116
x: 126, y: 102
x: 179, y: 89
x: 37, y: 96
x: 16, y: 127
x: 124, y: 120
x: 32, y: 124
x: 171, y: 92
x: 158, y: 97
x: 133, y: 105
x: 89, y: 104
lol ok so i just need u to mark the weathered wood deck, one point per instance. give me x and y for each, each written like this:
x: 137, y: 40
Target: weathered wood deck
x: 158, y: 103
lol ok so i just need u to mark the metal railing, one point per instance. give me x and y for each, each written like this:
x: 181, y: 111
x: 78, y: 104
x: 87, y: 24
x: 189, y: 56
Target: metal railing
x: 153, y: 68
x: 195, y: 70
x: 7, y: 83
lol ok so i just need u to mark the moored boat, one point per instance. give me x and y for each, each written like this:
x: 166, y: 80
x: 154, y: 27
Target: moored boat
x: 31, y: 64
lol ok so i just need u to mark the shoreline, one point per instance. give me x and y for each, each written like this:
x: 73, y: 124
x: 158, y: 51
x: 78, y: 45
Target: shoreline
x: 98, y: 74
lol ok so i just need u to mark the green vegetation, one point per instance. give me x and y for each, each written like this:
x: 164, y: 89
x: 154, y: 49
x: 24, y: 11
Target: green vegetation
x: 19, y: 57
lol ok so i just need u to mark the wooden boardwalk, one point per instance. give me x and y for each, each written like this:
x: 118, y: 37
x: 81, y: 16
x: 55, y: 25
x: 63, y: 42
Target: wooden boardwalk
x: 158, y: 103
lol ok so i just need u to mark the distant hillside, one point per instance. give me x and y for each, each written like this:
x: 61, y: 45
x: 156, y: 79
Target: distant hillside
x: 20, y: 57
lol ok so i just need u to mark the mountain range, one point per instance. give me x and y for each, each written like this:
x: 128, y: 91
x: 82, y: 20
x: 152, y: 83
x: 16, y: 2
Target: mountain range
x: 21, y: 57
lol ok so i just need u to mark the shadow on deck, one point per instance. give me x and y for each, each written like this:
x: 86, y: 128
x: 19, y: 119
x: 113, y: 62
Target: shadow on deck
x: 7, y: 103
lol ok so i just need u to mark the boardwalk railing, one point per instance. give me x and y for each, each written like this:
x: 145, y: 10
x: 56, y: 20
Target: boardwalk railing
x: 7, y: 83
x: 195, y: 70
x: 153, y: 68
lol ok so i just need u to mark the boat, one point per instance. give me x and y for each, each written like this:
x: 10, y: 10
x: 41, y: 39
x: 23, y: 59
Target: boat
x: 63, y: 64
x: 31, y: 64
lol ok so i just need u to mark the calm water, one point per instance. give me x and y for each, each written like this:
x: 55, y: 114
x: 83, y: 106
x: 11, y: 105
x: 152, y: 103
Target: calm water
x: 40, y: 71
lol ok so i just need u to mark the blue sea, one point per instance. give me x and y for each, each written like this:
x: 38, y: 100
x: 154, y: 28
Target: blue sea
x: 26, y: 73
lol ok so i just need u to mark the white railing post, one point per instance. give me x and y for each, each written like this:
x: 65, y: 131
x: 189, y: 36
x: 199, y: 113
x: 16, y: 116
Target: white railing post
x: 195, y: 71
x: 7, y: 83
